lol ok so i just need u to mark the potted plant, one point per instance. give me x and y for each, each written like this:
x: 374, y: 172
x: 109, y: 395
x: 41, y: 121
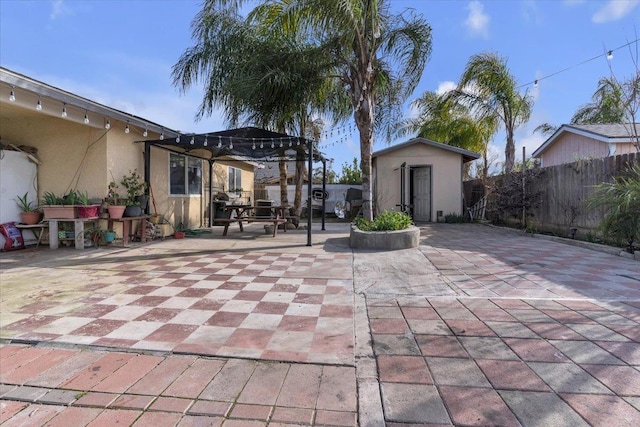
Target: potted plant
x: 115, y: 203
x: 30, y: 214
x: 135, y: 186
x: 56, y: 207
x: 86, y: 209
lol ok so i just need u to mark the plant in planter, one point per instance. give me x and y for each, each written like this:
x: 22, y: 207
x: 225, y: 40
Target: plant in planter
x: 115, y: 203
x: 56, y: 207
x: 99, y: 236
x: 86, y: 209
x: 136, y: 199
x: 30, y: 214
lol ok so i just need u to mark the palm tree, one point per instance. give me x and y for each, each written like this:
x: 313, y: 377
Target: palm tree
x: 378, y: 58
x: 606, y: 106
x: 441, y: 118
x: 254, y: 75
x: 488, y: 87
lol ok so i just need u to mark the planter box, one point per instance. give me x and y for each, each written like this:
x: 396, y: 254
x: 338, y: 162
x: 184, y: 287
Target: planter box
x: 384, y: 240
x: 89, y: 211
x: 59, y: 212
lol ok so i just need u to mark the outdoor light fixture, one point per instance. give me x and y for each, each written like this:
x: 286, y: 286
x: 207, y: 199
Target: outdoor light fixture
x: 161, y: 136
x: 126, y: 128
x: 253, y: 143
x: 12, y: 96
x: 193, y: 140
x: 219, y: 142
x: 610, y: 55
x: 107, y: 125
x: 86, y: 118
x: 230, y: 145
x: 178, y: 138
x: 206, y: 140
x: 272, y: 146
x: 39, y: 105
x: 261, y: 144
x: 280, y: 142
x: 145, y: 133
x: 535, y: 84
x: 64, y: 110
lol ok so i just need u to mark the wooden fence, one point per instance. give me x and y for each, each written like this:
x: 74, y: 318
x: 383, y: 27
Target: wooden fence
x: 564, y: 191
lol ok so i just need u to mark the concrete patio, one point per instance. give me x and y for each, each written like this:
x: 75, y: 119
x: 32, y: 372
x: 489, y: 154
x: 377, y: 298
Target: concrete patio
x: 477, y: 326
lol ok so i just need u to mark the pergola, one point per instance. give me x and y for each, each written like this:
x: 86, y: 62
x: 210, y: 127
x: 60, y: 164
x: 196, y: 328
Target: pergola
x: 244, y: 144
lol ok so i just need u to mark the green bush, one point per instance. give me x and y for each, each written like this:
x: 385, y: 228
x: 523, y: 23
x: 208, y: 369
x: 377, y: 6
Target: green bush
x: 386, y: 221
x: 452, y: 218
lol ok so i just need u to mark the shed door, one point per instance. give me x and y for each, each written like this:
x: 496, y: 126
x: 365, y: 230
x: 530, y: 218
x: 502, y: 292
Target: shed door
x: 421, y: 193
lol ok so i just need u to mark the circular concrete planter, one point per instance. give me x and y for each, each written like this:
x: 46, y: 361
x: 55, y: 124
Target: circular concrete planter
x: 384, y: 240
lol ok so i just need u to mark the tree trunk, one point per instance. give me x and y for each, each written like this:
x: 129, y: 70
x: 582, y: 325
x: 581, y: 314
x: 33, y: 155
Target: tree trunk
x: 297, y: 201
x: 284, y: 198
x: 509, y: 153
x: 364, y: 121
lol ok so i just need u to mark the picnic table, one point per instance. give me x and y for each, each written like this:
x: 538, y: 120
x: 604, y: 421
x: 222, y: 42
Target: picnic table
x: 249, y: 214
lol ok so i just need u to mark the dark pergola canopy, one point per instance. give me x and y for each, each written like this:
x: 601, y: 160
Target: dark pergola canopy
x: 244, y: 144
x: 248, y: 143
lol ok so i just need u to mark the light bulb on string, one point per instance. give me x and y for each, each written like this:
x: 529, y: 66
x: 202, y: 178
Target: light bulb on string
x: 219, y: 142
x: 107, y: 125
x: 39, y: 105
x: 86, y: 118
x: 206, y: 140
x: 535, y: 83
x: 12, y: 95
x: 272, y: 145
x: 64, y: 110
x: 280, y: 142
x: 193, y: 140
x: 145, y: 133
x: 609, y: 55
x: 231, y: 144
x: 253, y: 143
x: 126, y: 128
x: 261, y: 144
x: 161, y: 136
x: 178, y: 139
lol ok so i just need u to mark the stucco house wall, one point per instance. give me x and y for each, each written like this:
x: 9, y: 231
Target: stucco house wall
x: 446, y: 177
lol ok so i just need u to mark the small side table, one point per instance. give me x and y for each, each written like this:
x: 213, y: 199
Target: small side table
x: 128, y: 226
x: 37, y: 229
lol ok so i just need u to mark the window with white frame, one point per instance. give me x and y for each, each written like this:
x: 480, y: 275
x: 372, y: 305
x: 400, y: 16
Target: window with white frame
x: 235, y: 179
x: 185, y: 175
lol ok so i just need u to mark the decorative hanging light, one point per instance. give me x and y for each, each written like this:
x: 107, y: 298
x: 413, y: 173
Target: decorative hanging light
x: 12, y: 95
x: 39, y: 105
x: 162, y: 135
x: 86, y: 118
x: 107, y: 125
x: 261, y: 144
x: 219, y: 142
x: 178, y: 139
x: 126, y: 128
x: 193, y: 140
x: 145, y: 133
x: 64, y: 110
x: 206, y: 140
x: 253, y: 143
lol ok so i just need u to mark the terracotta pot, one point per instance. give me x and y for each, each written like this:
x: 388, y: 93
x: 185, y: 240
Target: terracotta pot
x: 116, y: 212
x: 30, y: 218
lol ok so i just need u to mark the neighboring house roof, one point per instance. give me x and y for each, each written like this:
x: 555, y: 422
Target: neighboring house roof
x: 21, y: 82
x: 612, y: 133
x: 467, y: 155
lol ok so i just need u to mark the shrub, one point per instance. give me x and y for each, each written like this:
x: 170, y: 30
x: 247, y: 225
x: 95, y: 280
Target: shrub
x: 454, y: 218
x: 386, y: 221
x: 621, y: 200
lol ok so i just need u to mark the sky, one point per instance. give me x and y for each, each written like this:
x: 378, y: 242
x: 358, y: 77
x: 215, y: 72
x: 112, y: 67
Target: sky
x: 120, y: 53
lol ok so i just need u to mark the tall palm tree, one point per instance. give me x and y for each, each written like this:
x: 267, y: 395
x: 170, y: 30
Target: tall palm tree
x: 378, y: 59
x: 256, y: 76
x: 441, y: 118
x: 487, y: 86
x: 606, y: 106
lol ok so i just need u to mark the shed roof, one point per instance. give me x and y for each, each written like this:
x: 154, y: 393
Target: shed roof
x: 467, y: 156
x: 608, y: 133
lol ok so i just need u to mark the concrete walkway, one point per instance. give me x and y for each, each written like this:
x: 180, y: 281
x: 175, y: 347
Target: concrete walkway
x: 478, y: 326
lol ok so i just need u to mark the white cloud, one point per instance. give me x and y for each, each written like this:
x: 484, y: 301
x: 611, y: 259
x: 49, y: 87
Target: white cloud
x: 444, y: 87
x: 614, y: 10
x: 58, y: 8
x: 477, y: 21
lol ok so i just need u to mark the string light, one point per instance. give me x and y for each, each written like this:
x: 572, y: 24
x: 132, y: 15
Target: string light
x: 193, y: 140
x: 162, y: 135
x: 609, y: 55
x: 206, y: 141
x: 253, y: 143
x: 107, y: 125
x: 64, y: 110
x: 261, y: 144
x: 86, y: 118
x: 535, y: 84
x: 219, y: 141
x: 126, y: 128
x: 280, y: 142
x: 145, y: 133
x: 178, y: 139
x: 272, y: 145
x: 12, y: 95
x: 39, y: 105
x: 231, y: 144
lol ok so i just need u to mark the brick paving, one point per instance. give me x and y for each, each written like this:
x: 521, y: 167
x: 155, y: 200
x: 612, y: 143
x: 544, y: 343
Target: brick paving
x: 477, y: 327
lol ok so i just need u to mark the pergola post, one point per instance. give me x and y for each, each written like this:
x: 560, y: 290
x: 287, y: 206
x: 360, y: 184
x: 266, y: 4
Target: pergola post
x: 211, y: 210
x: 309, y: 190
x: 324, y: 191
x: 147, y: 171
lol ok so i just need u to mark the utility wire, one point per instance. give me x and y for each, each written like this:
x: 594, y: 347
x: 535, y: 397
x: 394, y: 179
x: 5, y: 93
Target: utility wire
x: 608, y: 52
